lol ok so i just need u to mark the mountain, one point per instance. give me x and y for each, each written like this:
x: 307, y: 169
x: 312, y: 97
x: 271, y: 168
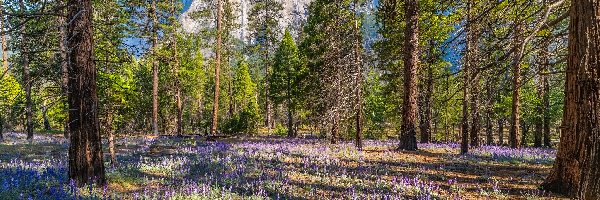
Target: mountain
x: 294, y: 12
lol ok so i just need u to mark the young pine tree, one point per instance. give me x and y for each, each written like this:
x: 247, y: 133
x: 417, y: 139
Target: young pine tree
x: 286, y: 79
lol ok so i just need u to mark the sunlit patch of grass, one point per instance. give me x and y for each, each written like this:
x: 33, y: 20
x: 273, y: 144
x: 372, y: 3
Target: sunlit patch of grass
x: 123, y: 182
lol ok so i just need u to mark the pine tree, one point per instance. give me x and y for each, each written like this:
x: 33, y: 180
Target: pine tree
x: 264, y: 30
x: 85, y: 152
x: 576, y: 170
x: 286, y: 81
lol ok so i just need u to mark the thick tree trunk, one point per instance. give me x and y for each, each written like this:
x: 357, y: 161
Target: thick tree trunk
x: 85, y: 150
x: 408, y: 140
x: 514, y: 131
x: 215, y: 111
x: 472, y: 61
x: 154, y: 67
x: 576, y: 168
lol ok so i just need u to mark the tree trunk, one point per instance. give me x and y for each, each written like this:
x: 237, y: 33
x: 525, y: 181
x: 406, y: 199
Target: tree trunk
x: 464, y: 145
x: 489, y: 112
x: 426, y: 100
x: 576, y: 170
x: 408, y: 140
x: 111, y: 138
x: 514, y: 131
x: 4, y: 44
x: 472, y: 60
x: 537, y: 134
x: 501, y: 131
x: 45, y: 118
x: 215, y: 114
x: 358, y: 63
x: 1, y: 128
x: 335, y: 128
x: 85, y: 150
x: 154, y: 67
x: 524, y: 134
x: 64, y: 68
x: 178, y: 100
x: 268, y: 112
x: 545, y: 94
x: 200, y: 113
x: 26, y: 79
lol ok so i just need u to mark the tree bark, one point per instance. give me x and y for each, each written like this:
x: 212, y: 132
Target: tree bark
x: 154, y: 18
x: 489, y: 112
x: 545, y: 94
x: 427, y: 98
x: 358, y: 63
x: 215, y: 114
x: 111, y: 138
x: 514, y: 131
x: 26, y: 78
x: 64, y: 68
x: 85, y: 150
x: 472, y: 60
x: 576, y: 170
x: 408, y: 140
x: 501, y: 131
x: 4, y: 44
x: 178, y: 100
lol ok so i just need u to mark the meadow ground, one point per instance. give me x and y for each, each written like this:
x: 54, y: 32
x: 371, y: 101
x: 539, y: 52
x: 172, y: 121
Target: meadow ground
x: 276, y: 168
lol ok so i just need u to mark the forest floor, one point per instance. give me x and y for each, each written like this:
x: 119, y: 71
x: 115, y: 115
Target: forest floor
x: 276, y: 168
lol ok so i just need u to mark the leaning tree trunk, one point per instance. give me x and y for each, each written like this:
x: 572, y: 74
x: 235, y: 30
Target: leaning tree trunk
x: 408, y: 140
x: 576, y: 168
x: 85, y: 150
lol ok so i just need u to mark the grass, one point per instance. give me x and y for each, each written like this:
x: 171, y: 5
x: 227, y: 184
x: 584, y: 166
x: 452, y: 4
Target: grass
x: 277, y: 168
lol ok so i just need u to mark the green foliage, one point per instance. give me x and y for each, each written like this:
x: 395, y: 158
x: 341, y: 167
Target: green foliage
x: 377, y: 109
x: 287, y: 81
x: 10, y: 89
x: 244, y: 92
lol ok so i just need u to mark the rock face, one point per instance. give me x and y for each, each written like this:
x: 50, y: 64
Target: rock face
x: 294, y: 12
